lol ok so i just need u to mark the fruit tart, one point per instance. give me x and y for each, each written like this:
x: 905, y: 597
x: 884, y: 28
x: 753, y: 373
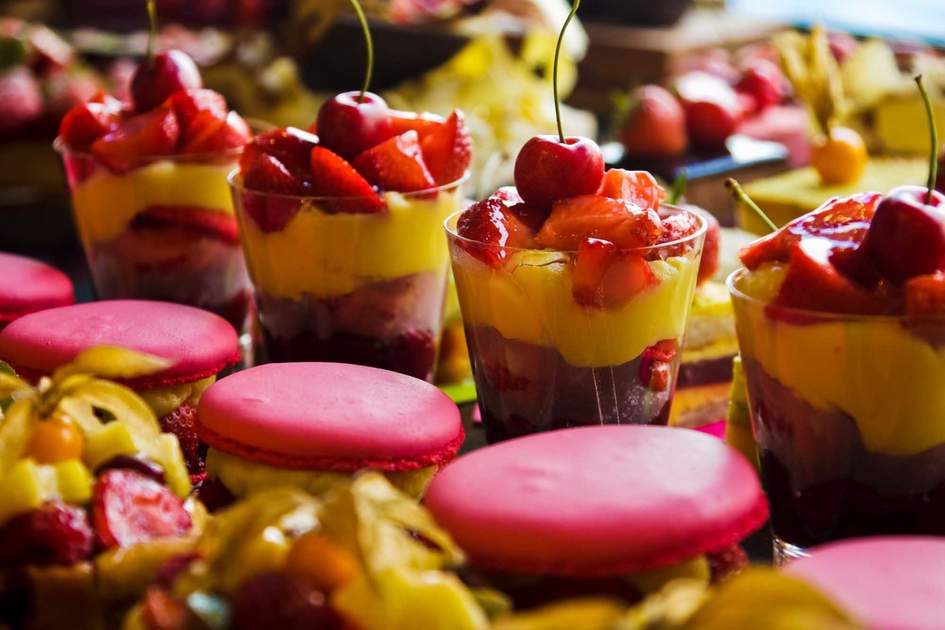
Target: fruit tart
x: 93, y: 497
x: 149, y: 190
x: 364, y: 556
x: 841, y: 322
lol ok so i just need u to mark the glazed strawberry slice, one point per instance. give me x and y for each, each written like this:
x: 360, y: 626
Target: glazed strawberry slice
x: 129, y: 509
x: 447, y: 150
x: 605, y: 277
x: 292, y: 147
x: 334, y: 177
x: 489, y: 227
x: 639, y: 187
x: 84, y: 124
x: 925, y: 295
x: 814, y: 283
x: 138, y: 138
x: 396, y: 164
x: 188, y: 104
x: 218, y: 224
x: 620, y: 222
x: 842, y: 220
x: 268, y: 175
x: 423, y: 123
x: 709, y: 263
x: 208, y: 134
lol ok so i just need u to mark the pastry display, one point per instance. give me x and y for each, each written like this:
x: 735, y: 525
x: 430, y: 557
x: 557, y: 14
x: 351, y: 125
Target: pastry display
x: 28, y: 285
x: 198, y: 345
x: 89, y: 510
x: 309, y: 424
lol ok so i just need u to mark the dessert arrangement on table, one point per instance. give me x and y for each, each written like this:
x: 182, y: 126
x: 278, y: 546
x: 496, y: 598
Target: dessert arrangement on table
x: 328, y: 386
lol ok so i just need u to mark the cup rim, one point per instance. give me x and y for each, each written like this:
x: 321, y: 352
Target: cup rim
x: 235, y: 182
x: 452, y: 234
x: 60, y: 146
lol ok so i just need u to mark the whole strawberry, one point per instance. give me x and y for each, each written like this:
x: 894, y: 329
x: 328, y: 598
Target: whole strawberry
x: 21, y: 100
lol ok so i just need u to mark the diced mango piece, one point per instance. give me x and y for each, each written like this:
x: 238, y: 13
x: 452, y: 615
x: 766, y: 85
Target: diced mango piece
x: 26, y: 487
x: 167, y: 453
x: 111, y: 440
x: 75, y: 481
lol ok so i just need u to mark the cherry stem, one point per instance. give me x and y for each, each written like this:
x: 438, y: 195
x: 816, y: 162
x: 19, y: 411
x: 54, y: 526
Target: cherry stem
x: 152, y: 30
x: 369, y: 44
x: 933, y: 159
x: 554, y: 70
x: 740, y: 195
x: 679, y: 188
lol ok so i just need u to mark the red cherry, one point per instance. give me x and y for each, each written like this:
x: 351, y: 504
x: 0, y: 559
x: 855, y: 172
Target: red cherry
x: 161, y: 77
x: 547, y: 170
x: 349, y: 127
x: 925, y: 295
x: 907, y: 235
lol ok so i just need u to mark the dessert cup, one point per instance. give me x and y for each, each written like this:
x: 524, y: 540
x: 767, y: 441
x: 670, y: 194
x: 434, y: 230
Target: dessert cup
x: 849, y: 415
x: 164, y: 230
x: 543, y: 361
x: 333, y: 284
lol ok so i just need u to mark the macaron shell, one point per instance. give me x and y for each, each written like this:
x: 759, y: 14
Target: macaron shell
x: 330, y: 416
x: 888, y: 583
x: 199, y: 343
x: 28, y: 285
x: 596, y: 501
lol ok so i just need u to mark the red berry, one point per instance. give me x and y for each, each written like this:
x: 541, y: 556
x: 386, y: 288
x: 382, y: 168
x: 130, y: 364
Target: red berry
x: 160, y: 610
x: 907, y: 236
x: 128, y: 509
x: 638, y: 187
x: 547, y: 170
x: 656, y: 124
x: 925, y: 295
x: 292, y: 147
x: 605, y: 277
x: 144, y: 136
x: 182, y: 422
x: 396, y: 164
x: 159, y: 78
x: 489, y: 227
x: 84, y: 124
x: 447, y: 149
x: 335, y: 178
x: 764, y: 82
x: 423, y: 123
x: 54, y: 534
x: 709, y: 264
x: 21, y: 100
x: 711, y: 106
x: 205, y: 222
x: 187, y: 104
x: 656, y: 365
x: 622, y: 223
x: 349, y: 127
x: 267, y: 174
x: 208, y: 135
x: 140, y: 465
x: 276, y: 600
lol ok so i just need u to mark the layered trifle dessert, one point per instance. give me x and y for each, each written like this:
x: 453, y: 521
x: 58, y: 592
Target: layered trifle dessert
x: 149, y: 191
x: 345, y: 245
x: 575, y: 315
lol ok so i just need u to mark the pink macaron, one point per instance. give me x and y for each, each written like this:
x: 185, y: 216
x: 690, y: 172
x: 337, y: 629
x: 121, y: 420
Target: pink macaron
x: 329, y: 417
x: 599, y: 502
x: 887, y: 583
x: 27, y: 286
x: 198, y: 344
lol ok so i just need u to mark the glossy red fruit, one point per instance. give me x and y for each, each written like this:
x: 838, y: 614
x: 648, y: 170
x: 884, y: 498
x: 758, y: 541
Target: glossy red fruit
x: 206, y: 222
x: 396, y: 164
x: 349, y: 127
x: 709, y: 264
x: 508, y: 195
x: 209, y: 135
x: 547, y: 170
x: 182, y: 422
x: 333, y: 176
x: 841, y: 220
x: 907, y: 235
x: 277, y: 600
x: 54, y: 534
x: 84, y: 124
x: 764, y: 82
x: 160, y: 610
x: 814, y: 283
x: 677, y: 226
x: 711, y: 107
x: 291, y: 146
x: 128, y: 509
x: 605, y: 277
x: 656, y: 365
x: 489, y: 227
x: 189, y: 103
x: 622, y: 223
x: 268, y: 175
x: 21, y: 100
x: 656, y: 124
x: 159, y: 78
x: 139, y: 465
x: 138, y: 138
x: 639, y: 187
x: 925, y: 295
x: 447, y: 150
x: 423, y: 123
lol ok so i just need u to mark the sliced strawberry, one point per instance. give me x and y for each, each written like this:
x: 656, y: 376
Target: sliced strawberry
x: 605, y: 277
x: 531, y: 216
x: 489, y: 227
x: 218, y: 224
x: 813, y: 283
x: 268, y: 175
x: 334, y: 177
x: 508, y: 195
x: 709, y: 263
x: 447, y: 150
x: 678, y: 226
x: 639, y: 187
x: 925, y: 295
x: 84, y: 124
x: 138, y: 138
x: 620, y: 222
x: 656, y: 365
x: 188, y: 103
x: 396, y: 164
x: 840, y: 220
x: 207, y: 134
x: 128, y: 509
x: 423, y: 123
x: 292, y: 147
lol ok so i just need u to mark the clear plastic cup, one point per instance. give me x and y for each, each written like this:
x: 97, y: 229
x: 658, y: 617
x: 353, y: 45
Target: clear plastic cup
x: 336, y: 285
x: 542, y: 361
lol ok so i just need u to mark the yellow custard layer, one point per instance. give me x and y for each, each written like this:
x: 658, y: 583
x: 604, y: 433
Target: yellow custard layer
x: 530, y: 299
x: 105, y: 203
x: 333, y: 254
x: 889, y: 380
